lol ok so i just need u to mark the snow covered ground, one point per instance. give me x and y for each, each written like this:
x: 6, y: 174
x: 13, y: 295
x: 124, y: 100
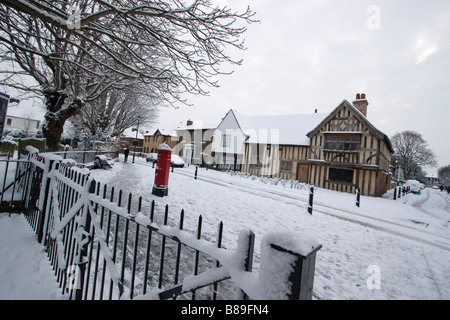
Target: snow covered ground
x: 25, y: 271
x: 385, y: 249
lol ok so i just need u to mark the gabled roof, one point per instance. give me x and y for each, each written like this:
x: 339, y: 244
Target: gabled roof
x: 291, y: 128
x: 129, y: 133
x: 359, y: 116
x: 163, y: 132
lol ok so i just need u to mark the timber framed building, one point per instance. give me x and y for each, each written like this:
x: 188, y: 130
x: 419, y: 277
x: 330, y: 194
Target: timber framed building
x: 347, y: 152
x: 340, y: 151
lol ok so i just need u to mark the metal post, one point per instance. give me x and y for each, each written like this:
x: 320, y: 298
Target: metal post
x: 399, y: 192
x: 248, y: 245
x: 41, y: 219
x: 135, y: 142
x: 11, y: 203
x: 395, y: 193
x: 311, y: 197
x: 302, y: 275
x: 4, y: 178
x: 85, y: 230
x: 358, y: 197
x: 196, y: 170
x: 291, y: 263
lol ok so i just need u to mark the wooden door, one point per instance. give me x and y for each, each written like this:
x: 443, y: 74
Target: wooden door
x: 302, y: 173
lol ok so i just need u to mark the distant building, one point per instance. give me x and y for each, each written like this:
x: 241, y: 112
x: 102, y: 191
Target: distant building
x: 129, y: 136
x: 194, y: 142
x: 153, y: 141
x: 17, y: 118
x: 431, y: 180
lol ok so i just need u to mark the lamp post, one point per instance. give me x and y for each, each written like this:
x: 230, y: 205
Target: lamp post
x: 396, y: 170
x: 135, y: 142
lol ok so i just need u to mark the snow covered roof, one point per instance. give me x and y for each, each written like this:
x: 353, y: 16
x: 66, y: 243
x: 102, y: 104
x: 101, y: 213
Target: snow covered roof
x: 129, y: 133
x: 291, y: 128
x: 163, y: 131
x: 198, y: 124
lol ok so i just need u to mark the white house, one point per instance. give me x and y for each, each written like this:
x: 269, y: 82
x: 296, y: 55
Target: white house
x: 18, y: 118
x: 194, y: 142
x: 228, y: 144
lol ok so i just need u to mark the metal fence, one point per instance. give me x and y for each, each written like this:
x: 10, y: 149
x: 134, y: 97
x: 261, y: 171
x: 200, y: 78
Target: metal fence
x: 103, y: 244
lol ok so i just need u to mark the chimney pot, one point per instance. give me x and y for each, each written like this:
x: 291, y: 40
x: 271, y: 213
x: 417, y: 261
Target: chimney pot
x: 315, y: 111
x: 361, y: 103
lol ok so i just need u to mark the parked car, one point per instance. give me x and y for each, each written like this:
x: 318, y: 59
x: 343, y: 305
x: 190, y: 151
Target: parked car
x: 414, y: 185
x: 152, y: 157
x: 176, y: 161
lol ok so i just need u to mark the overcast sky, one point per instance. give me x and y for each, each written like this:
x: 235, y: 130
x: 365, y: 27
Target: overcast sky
x: 308, y: 54
x: 312, y: 54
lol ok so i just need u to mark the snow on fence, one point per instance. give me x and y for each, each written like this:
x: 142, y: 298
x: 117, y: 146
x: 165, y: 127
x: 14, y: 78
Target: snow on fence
x: 103, y: 244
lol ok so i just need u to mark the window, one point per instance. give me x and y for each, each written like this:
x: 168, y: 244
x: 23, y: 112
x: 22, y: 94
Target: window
x: 226, y: 140
x: 254, y: 160
x: 340, y: 175
x: 285, y: 166
x: 341, y: 143
x: 8, y: 121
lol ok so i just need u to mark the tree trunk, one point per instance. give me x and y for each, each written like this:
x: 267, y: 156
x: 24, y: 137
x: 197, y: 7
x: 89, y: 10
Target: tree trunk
x: 55, y: 118
x: 52, y: 130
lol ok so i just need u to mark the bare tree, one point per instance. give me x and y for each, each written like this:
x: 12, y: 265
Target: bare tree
x: 412, y: 151
x: 77, y: 51
x: 115, y: 111
x: 444, y: 175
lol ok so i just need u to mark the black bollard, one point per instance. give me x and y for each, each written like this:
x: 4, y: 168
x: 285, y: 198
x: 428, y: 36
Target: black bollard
x: 311, y: 196
x: 358, y: 197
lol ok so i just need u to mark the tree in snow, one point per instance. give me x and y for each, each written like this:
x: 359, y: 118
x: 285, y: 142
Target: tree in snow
x: 115, y: 111
x: 75, y: 52
x: 444, y: 175
x: 412, y: 151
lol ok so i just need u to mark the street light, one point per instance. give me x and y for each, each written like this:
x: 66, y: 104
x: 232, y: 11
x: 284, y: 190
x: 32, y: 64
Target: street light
x: 135, y: 142
x: 396, y: 169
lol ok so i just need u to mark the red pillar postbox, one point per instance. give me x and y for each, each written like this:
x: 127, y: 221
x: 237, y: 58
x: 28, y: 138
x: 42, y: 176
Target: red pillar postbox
x: 161, y: 185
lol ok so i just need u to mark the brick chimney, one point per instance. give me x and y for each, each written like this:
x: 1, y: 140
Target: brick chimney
x: 361, y: 103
